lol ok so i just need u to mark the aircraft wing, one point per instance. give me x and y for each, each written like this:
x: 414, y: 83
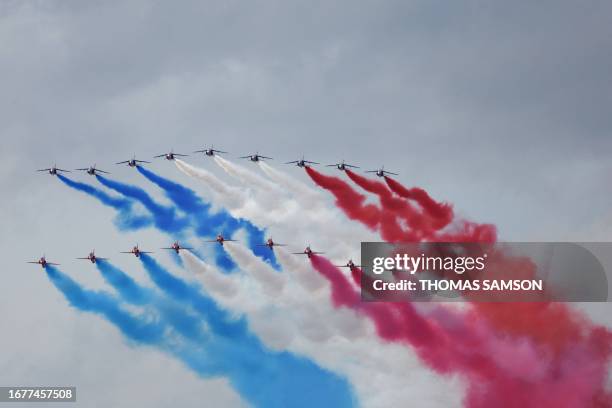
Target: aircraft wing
x: 123, y: 162
x: 311, y: 162
x: 52, y: 263
x: 33, y: 262
x: 230, y: 240
x: 85, y: 169
x: 292, y: 162
x: 332, y: 165
x: 299, y: 253
x: 126, y: 252
x: 350, y: 165
x: 179, y: 154
x: 244, y: 157
x: 102, y: 171
x: 85, y: 258
x: 200, y: 151
x: 275, y: 244
x: 43, y: 170
x: 146, y: 252
x: 388, y: 172
x: 168, y: 248
x: 372, y: 171
x: 317, y: 253
x: 159, y: 155
x: 266, y: 157
x: 219, y: 151
x: 143, y: 161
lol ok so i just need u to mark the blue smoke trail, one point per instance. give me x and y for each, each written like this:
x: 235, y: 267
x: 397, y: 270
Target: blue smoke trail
x: 126, y: 219
x: 209, y: 224
x: 127, y: 287
x: 165, y: 218
x: 265, y: 377
x: 106, y: 305
x: 178, y: 289
x: 137, y: 329
x: 178, y: 317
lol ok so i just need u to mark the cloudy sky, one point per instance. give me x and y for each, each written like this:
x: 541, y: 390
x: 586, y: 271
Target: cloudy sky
x: 501, y: 108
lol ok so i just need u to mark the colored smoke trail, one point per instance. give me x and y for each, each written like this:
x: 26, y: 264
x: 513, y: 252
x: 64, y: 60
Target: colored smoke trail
x: 353, y: 205
x: 165, y: 218
x: 231, y: 197
x: 261, y: 381
x: 441, y: 211
x: 102, y: 303
x: 255, y: 371
x: 207, y: 223
x: 393, y: 205
x: 271, y: 280
x: 350, y: 202
x: 551, y: 325
x: 300, y: 319
x: 222, y: 284
x: 246, y: 176
x: 308, y: 218
x: 124, y: 284
x: 220, y: 321
x: 507, y: 370
x: 179, y: 318
x: 126, y: 219
x: 296, y: 187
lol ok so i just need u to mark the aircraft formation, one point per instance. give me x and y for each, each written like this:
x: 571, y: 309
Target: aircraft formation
x: 220, y: 239
x: 210, y: 152
x: 176, y: 247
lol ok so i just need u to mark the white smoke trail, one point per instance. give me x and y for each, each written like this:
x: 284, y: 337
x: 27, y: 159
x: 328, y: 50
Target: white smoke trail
x: 246, y: 176
x: 231, y: 197
x: 222, y: 285
x: 301, y: 320
x: 296, y: 187
x: 311, y: 220
x: 271, y: 281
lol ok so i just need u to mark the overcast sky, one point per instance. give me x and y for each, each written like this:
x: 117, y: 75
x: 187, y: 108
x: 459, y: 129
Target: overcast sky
x: 501, y: 108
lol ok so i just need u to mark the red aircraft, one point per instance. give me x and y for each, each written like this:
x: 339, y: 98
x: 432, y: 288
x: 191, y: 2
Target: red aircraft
x: 271, y: 244
x: 308, y: 252
x: 42, y: 262
x: 176, y: 247
x: 93, y: 258
x: 53, y: 170
x: 350, y: 264
x: 136, y: 252
x: 220, y: 239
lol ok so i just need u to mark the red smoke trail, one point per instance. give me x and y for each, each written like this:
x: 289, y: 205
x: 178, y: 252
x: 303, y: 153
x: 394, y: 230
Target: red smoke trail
x: 400, y: 207
x: 441, y: 211
x: 551, y: 324
x: 349, y: 201
x: 500, y: 371
x: 353, y: 205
